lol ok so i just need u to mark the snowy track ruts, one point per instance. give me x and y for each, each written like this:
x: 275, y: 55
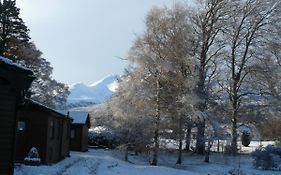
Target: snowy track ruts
x: 19, y: 167
x: 94, y: 168
x: 66, y: 167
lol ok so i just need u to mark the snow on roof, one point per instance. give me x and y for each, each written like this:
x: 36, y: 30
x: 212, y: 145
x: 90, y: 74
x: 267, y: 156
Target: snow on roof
x: 11, y: 63
x: 79, y: 117
x: 244, y: 128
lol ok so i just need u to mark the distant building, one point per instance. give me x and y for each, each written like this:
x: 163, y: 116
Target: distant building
x: 79, y: 130
x: 45, y: 129
x: 14, y: 83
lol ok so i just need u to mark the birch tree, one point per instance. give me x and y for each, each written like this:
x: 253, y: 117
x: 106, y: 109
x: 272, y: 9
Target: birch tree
x: 132, y: 111
x: 208, y: 21
x: 251, y: 25
x: 162, y: 57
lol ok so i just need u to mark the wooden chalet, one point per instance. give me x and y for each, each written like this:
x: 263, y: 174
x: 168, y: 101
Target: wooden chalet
x: 42, y: 128
x: 14, y: 83
x: 79, y: 130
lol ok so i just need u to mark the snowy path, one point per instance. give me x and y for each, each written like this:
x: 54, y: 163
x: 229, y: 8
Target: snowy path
x: 104, y: 162
x: 95, y: 162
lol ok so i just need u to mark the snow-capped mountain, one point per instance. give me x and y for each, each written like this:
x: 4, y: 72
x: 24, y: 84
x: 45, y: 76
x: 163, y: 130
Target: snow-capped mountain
x: 97, y: 92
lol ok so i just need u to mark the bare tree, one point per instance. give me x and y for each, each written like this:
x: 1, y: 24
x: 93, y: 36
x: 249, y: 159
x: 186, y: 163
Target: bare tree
x: 249, y: 30
x: 208, y: 22
x: 162, y: 59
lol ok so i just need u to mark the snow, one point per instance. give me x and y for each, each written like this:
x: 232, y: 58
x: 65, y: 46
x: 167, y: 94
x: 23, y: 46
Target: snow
x: 99, y: 162
x: 6, y: 60
x: 97, y: 92
x: 11, y: 63
x: 108, y: 162
x: 113, y: 86
x: 172, y: 144
x: 32, y: 159
x: 243, y: 128
x: 253, y: 145
x: 98, y: 129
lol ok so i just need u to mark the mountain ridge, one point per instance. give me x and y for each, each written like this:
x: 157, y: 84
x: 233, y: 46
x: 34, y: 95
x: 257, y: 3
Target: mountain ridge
x: 97, y: 92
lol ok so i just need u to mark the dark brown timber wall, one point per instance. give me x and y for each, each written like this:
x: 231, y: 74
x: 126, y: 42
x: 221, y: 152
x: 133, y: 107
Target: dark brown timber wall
x: 7, y: 127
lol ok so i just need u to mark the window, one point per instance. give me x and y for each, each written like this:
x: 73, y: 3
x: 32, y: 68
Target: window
x: 59, y: 131
x: 52, y: 129
x: 72, y: 134
x: 21, y: 125
x: 67, y: 131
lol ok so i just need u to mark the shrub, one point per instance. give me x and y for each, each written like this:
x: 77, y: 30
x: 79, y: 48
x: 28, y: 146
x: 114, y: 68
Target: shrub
x: 103, y: 138
x: 229, y: 150
x: 271, y: 130
x: 268, y: 158
x: 246, y: 138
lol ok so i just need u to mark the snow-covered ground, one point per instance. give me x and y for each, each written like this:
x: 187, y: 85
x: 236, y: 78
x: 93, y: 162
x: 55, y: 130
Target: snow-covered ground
x: 108, y: 162
x: 172, y: 144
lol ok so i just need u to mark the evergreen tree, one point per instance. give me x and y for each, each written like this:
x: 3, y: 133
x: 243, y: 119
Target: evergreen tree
x: 15, y: 45
x: 11, y: 26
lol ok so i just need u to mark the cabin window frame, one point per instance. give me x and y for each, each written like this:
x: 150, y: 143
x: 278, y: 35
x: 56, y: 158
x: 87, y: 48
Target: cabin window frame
x: 52, y: 129
x: 23, y: 127
x: 59, y: 130
x: 72, y: 133
x: 67, y: 131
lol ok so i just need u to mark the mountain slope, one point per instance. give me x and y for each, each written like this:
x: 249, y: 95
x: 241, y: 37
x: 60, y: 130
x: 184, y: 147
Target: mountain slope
x: 97, y: 92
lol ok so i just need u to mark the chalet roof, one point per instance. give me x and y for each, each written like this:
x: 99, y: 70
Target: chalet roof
x: 79, y: 117
x: 43, y: 107
x: 18, y: 76
x: 244, y: 128
x: 11, y: 64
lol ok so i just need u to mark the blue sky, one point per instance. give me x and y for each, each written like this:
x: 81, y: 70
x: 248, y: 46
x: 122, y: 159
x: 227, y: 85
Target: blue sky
x: 82, y: 39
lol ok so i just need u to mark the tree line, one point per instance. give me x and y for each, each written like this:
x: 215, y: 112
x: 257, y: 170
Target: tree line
x: 16, y: 44
x: 212, y: 63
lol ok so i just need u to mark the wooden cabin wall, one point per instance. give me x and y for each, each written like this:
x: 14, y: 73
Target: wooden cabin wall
x: 57, y: 140
x: 80, y: 141
x: 84, y: 141
x: 34, y: 135
x: 8, y: 99
x: 66, y: 139
x: 75, y: 143
x: 46, y: 131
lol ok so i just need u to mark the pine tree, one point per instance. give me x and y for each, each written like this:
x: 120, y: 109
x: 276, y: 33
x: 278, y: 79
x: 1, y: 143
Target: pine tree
x: 11, y: 26
x: 15, y: 45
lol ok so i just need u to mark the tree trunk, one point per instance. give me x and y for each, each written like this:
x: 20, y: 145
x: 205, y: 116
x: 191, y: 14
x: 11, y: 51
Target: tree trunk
x: 188, y: 137
x: 2, y: 47
x: 207, y: 152
x: 126, y: 153
x: 200, y: 138
x: 157, y: 125
x: 180, y: 141
x: 234, y: 132
x: 3, y: 40
x: 234, y: 116
x: 179, y: 161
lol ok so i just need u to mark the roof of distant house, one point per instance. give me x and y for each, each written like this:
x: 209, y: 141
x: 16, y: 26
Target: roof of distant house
x: 80, y: 117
